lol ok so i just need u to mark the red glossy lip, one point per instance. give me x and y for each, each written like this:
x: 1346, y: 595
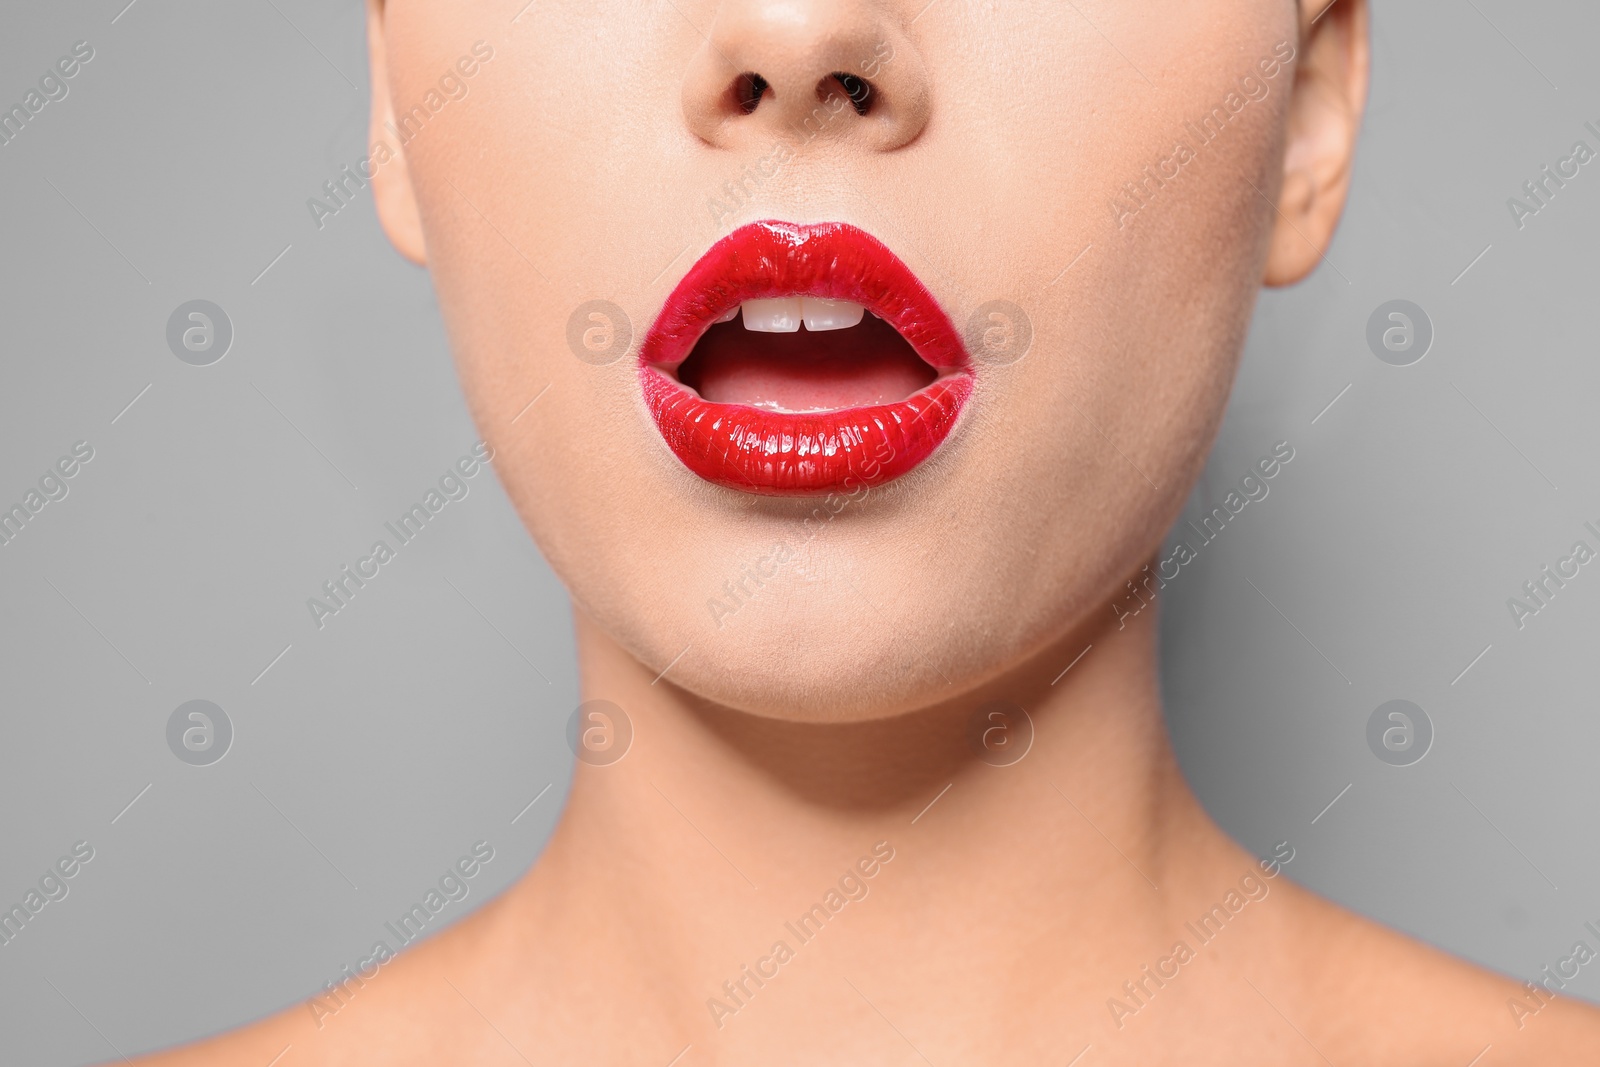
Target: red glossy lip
x: 793, y: 453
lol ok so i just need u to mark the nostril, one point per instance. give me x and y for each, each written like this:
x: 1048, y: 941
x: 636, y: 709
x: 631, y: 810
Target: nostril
x: 860, y: 91
x: 748, y: 88
x: 775, y: 68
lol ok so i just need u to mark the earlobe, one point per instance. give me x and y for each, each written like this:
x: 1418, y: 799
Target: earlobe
x: 1330, y: 92
x: 392, y: 192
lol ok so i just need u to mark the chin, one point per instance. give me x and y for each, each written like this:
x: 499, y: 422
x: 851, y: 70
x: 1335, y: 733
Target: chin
x: 907, y: 596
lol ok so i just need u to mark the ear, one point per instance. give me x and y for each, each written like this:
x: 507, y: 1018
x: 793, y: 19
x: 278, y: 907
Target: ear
x: 391, y: 181
x: 1330, y: 91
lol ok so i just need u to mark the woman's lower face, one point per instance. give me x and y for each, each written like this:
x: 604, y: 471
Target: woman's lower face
x: 842, y: 355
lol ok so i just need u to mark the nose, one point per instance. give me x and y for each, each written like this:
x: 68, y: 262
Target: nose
x: 808, y: 69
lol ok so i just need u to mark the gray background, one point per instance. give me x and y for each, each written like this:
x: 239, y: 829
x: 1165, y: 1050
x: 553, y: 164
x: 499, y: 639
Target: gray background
x: 372, y: 753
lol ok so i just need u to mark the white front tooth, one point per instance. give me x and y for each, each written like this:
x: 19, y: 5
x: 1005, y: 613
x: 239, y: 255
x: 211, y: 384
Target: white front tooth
x: 772, y: 315
x: 820, y: 314
x: 732, y: 314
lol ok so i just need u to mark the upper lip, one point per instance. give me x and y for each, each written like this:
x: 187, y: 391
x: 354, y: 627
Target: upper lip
x: 833, y: 260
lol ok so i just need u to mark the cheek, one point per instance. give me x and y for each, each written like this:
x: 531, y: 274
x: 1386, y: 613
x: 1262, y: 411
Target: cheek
x: 542, y: 194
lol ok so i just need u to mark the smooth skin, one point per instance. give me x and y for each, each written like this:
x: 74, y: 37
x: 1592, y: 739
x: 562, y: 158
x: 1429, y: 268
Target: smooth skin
x: 592, y: 158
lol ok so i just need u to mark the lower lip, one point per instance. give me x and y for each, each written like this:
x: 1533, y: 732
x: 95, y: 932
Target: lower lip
x: 778, y: 453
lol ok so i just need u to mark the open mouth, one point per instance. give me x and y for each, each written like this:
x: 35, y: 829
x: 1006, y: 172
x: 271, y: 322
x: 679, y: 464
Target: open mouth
x: 799, y: 359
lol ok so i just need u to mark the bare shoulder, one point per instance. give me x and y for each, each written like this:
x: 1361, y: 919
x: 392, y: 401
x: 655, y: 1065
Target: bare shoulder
x: 1413, y: 1004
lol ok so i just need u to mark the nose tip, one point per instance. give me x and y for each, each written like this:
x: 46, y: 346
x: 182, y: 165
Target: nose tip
x: 806, y: 69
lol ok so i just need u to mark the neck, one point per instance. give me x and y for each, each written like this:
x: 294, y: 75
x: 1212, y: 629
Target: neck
x: 700, y: 851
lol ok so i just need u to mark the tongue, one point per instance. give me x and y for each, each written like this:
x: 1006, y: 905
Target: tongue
x: 862, y: 366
